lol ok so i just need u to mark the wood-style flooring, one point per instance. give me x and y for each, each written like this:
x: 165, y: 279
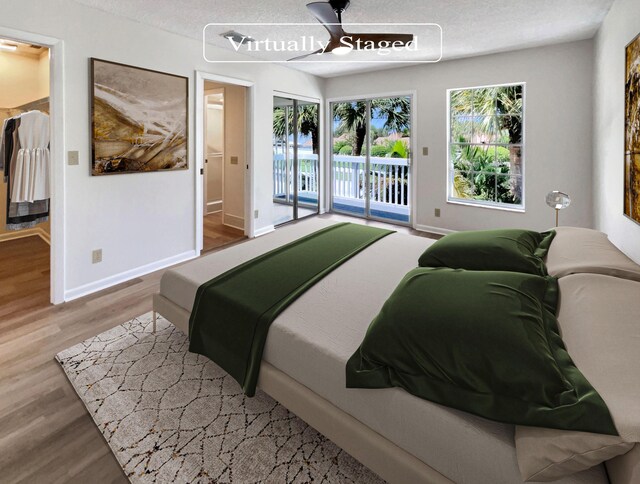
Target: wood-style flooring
x: 46, y: 434
x: 216, y: 234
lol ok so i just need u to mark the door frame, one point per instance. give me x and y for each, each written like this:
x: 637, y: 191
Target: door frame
x: 249, y: 226
x: 322, y: 208
x: 57, y: 150
x: 413, y: 94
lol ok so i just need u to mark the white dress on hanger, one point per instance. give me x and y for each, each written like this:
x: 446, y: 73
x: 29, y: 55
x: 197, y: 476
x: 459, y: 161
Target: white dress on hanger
x: 31, y: 178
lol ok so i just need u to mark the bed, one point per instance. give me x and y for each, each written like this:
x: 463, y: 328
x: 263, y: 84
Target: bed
x: 399, y: 436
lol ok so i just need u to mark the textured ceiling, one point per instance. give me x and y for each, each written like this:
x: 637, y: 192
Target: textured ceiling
x: 470, y: 27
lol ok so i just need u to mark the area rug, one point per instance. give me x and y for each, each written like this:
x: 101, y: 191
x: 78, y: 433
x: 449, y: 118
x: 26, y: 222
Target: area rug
x: 173, y: 416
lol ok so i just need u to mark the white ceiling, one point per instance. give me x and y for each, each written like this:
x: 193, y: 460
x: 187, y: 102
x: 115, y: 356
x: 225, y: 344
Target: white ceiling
x: 470, y: 27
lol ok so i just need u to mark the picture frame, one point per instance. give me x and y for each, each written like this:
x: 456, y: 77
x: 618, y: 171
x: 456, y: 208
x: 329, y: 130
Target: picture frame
x: 632, y: 131
x: 139, y: 119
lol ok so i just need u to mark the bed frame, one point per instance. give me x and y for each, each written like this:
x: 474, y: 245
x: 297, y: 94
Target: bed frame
x: 379, y: 454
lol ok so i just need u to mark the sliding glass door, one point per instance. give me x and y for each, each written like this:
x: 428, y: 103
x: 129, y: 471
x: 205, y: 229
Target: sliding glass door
x: 296, y: 170
x: 371, y: 158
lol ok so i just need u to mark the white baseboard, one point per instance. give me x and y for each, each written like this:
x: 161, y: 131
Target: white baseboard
x: 263, y: 230
x: 19, y: 234
x: 214, y: 207
x: 434, y: 230
x: 233, y: 221
x: 92, y: 287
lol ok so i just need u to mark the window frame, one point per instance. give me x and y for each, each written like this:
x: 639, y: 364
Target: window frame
x: 450, y: 170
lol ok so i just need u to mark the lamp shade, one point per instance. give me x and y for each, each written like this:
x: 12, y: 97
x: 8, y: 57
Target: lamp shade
x: 558, y: 200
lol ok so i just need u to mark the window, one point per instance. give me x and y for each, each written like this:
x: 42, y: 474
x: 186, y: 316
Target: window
x: 486, y: 162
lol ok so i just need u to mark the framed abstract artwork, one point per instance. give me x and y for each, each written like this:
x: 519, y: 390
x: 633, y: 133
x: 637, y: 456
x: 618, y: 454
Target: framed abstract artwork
x: 139, y: 119
x: 632, y: 131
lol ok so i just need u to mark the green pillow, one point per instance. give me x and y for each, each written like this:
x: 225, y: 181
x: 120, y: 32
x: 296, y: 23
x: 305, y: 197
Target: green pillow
x: 491, y: 250
x: 486, y: 342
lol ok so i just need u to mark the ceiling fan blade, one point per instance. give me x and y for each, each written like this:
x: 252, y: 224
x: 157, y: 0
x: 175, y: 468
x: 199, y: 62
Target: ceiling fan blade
x: 324, y: 13
x: 319, y: 51
x: 380, y: 40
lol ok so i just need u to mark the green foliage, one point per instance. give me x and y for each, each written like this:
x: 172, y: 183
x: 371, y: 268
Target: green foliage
x: 486, y: 117
x: 398, y: 149
x: 379, y: 150
x: 351, y: 117
x: 337, y: 146
x: 479, y: 177
x: 346, y: 150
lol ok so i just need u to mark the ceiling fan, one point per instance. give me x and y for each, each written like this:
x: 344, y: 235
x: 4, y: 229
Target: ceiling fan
x: 329, y: 14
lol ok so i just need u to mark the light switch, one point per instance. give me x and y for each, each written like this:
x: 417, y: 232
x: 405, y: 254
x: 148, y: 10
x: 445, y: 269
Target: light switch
x: 234, y: 160
x: 425, y: 151
x: 73, y: 158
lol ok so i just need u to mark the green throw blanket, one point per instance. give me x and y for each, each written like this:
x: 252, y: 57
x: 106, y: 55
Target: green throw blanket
x: 232, y: 313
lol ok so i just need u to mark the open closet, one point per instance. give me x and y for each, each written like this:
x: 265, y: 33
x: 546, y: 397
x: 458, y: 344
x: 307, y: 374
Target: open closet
x: 25, y: 166
x: 224, y: 164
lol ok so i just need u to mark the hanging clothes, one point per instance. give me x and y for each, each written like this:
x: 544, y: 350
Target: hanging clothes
x: 30, y: 205
x: 30, y: 180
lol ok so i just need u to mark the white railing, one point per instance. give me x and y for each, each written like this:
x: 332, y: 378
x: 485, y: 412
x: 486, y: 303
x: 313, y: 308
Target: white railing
x: 283, y: 178
x: 388, y: 181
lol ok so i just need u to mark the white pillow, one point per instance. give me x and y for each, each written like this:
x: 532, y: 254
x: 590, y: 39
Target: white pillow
x: 600, y: 324
x: 576, y: 250
x: 550, y: 454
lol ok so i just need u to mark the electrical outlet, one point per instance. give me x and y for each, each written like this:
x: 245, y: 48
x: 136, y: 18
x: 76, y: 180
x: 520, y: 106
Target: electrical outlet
x: 234, y: 160
x: 96, y: 256
x: 256, y: 213
x: 73, y: 158
x: 436, y: 212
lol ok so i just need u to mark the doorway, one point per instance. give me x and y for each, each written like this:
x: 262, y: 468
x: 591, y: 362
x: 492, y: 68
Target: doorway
x: 296, y: 159
x: 371, y: 158
x: 25, y: 189
x: 224, y: 152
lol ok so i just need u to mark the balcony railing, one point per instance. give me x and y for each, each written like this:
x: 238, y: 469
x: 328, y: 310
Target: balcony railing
x: 308, y: 181
x: 388, y: 183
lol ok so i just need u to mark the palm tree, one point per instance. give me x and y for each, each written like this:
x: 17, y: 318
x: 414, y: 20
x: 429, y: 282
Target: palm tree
x: 307, y: 123
x: 352, y: 117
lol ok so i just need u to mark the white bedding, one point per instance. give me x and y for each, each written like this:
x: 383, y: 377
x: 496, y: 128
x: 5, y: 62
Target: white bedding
x: 312, y: 340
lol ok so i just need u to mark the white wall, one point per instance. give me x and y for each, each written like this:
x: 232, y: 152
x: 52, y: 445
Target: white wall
x: 25, y: 78
x: 620, y: 26
x: 138, y: 220
x: 558, y: 117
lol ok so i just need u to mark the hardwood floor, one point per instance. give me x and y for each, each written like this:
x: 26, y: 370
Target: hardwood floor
x: 216, y: 234
x: 24, y: 264
x: 46, y: 434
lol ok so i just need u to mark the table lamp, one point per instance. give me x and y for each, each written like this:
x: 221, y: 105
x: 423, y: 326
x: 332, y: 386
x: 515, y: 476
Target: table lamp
x: 558, y: 201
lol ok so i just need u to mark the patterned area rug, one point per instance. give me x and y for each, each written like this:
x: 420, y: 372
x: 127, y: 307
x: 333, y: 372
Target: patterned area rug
x: 173, y: 416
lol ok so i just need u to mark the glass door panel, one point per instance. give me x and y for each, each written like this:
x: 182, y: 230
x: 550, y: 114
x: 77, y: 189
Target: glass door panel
x: 371, y: 159
x: 390, y: 159
x: 296, y: 168
x: 308, y: 163
x: 283, y: 194
x: 348, y: 159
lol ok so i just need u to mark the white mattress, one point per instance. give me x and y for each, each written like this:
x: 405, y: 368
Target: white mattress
x: 313, y: 338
